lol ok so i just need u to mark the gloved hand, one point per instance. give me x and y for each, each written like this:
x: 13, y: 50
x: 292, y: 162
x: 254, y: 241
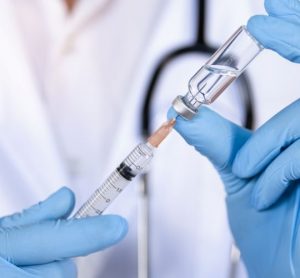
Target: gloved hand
x: 273, y: 155
x: 268, y: 240
x: 280, y: 30
x: 40, y: 241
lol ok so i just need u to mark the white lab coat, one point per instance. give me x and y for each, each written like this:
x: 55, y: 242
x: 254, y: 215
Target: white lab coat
x: 189, y: 232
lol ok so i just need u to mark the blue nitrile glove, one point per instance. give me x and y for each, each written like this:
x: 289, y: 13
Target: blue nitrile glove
x: 40, y: 241
x: 272, y: 154
x: 280, y: 30
x: 268, y: 240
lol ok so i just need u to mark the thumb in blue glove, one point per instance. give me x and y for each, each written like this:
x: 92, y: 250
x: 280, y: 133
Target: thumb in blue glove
x: 40, y: 241
x: 268, y: 240
x: 280, y: 29
x: 216, y: 138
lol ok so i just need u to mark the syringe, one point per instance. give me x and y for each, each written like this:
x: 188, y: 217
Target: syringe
x: 133, y: 165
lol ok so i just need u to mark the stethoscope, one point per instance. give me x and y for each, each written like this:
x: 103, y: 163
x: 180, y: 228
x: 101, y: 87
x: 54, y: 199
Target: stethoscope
x: 200, y: 46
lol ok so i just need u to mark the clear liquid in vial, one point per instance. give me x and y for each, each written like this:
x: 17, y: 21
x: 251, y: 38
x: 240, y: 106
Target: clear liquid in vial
x: 208, y: 83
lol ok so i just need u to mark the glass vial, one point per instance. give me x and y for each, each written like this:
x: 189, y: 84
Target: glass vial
x: 228, y: 62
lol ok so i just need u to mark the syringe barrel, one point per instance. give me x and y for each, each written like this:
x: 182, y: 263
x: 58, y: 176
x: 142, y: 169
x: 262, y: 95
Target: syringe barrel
x: 103, y: 196
x: 227, y: 64
x: 134, y: 164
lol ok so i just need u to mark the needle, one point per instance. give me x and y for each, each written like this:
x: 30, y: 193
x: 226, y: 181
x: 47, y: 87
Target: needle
x: 160, y: 134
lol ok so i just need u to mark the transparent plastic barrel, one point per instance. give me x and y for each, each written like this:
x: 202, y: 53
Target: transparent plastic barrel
x: 135, y: 163
x: 103, y: 196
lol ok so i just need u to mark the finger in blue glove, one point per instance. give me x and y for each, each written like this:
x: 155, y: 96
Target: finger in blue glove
x: 274, y: 150
x: 280, y: 30
x: 59, y: 205
x: 42, y: 235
